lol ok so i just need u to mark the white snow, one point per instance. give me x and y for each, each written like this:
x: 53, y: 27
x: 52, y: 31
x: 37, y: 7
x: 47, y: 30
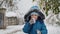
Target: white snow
x: 11, y: 14
x: 53, y: 29
x: 12, y: 29
x: 17, y: 29
x: 23, y: 7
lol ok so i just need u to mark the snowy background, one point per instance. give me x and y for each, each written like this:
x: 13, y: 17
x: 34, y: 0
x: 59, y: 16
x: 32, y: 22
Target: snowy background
x: 23, y: 7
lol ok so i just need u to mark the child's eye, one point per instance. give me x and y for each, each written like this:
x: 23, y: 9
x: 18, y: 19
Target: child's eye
x: 32, y: 15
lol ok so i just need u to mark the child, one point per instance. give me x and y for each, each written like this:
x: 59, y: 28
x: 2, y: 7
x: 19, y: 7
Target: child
x: 34, y: 23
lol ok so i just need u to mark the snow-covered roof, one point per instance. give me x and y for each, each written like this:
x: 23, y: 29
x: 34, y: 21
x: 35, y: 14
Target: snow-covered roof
x: 2, y: 8
x: 10, y: 14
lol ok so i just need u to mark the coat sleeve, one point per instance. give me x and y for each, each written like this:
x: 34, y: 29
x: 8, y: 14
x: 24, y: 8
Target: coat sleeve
x: 27, y: 28
x: 44, y: 29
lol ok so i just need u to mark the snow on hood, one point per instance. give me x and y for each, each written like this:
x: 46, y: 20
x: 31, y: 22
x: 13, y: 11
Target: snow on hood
x: 10, y: 14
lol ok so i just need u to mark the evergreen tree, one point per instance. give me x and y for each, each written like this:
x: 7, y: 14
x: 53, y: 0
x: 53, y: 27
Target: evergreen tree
x: 52, y: 4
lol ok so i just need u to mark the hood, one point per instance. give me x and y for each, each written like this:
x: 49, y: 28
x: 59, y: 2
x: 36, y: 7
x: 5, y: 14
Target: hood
x: 34, y: 9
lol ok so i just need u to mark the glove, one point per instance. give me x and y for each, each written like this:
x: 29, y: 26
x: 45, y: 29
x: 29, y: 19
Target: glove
x: 32, y: 21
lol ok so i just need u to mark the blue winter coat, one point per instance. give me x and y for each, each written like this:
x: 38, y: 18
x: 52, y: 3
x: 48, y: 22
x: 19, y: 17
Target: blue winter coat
x: 39, y: 25
x: 32, y: 29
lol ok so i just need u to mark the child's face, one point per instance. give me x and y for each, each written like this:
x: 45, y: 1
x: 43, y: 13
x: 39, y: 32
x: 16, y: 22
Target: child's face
x: 34, y: 16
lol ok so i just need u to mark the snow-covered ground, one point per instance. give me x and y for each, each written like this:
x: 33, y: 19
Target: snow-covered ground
x: 17, y: 29
x: 53, y: 29
x: 14, y: 29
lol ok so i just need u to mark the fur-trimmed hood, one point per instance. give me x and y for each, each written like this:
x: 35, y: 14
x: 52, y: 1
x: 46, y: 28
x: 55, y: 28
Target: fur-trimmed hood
x: 28, y: 16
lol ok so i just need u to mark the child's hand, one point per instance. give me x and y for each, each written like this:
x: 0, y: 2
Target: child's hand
x: 32, y: 21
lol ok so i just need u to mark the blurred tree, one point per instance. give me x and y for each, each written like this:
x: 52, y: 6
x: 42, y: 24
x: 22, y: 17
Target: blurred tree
x: 54, y: 5
x: 6, y: 2
x: 1, y: 2
x: 33, y: 0
x: 51, y: 4
x: 9, y: 4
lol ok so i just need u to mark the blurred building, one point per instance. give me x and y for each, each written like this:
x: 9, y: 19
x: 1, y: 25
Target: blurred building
x: 2, y: 18
x: 11, y: 18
